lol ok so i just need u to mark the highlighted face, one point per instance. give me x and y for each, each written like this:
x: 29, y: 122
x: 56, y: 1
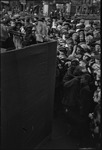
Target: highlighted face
x: 12, y: 23
x: 97, y: 48
x: 74, y: 37
x: 87, y: 41
x: 96, y: 35
x: 70, y: 47
x: 78, y: 50
x: 18, y: 26
x: 85, y: 57
x: 81, y: 37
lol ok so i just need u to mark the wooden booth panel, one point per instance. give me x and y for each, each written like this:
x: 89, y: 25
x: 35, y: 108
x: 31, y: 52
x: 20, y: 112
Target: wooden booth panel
x: 27, y: 95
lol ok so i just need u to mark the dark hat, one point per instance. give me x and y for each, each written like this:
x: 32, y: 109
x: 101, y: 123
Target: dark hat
x: 79, y: 70
x: 81, y: 48
x: 75, y: 62
x: 6, y: 20
x: 81, y: 30
x: 91, y: 21
x: 98, y: 57
x: 62, y: 49
x: 68, y: 20
x: 60, y: 22
x: 90, y: 32
x: 96, y: 22
x: 18, y: 22
x: 67, y: 35
x: 41, y: 18
x: 29, y: 27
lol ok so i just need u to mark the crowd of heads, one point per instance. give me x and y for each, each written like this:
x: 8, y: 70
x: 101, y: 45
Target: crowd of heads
x: 78, y: 44
x: 79, y: 56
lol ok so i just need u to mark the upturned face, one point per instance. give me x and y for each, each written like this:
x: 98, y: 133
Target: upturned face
x: 96, y: 35
x: 97, y: 48
x: 85, y: 57
x: 70, y: 47
x: 18, y: 26
x: 74, y: 37
x: 78, y: 50
x: 87, y: 41
x: 81, y: 37
x: 12, y: 23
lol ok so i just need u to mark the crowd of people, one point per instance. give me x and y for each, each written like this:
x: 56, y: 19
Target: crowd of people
x: 78, y: 86
x: 78, y: 72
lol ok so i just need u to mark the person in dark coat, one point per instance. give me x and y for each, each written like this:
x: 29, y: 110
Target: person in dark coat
x: 71, y: 83
x: 30, y: 37
x: 6, y: 40
x: 86, y: 95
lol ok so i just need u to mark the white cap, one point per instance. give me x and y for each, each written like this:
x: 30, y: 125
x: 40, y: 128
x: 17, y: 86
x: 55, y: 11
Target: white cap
x: 78, y: 24
x: 87, y: 25
x: 77, y: 30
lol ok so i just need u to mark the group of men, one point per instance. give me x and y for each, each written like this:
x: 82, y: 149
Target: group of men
x: 22, y: 30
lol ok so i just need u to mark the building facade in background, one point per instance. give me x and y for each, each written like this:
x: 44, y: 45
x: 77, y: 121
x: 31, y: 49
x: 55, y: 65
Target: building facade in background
x: 70, y: 7
x: 87, y: 6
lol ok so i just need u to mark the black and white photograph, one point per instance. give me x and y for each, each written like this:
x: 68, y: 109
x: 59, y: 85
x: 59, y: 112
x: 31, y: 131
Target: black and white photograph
x: 50, y: 87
